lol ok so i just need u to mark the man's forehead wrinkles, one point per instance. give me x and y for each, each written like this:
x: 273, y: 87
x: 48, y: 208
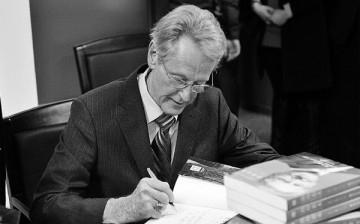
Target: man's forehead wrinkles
x: 176, y: 67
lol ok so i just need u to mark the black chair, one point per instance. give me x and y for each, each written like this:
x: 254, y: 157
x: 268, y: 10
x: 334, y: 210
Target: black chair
x: 9, y: 216
x: 105, y: 60
x: 2, y: 162
x: 29, y: 141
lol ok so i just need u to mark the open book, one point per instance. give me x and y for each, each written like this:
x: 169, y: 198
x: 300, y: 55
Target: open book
x: 200, y: 195
x: 201, y: 183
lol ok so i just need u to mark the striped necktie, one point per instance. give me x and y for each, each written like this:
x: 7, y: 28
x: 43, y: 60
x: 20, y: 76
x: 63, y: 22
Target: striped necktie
x: 161, y: 147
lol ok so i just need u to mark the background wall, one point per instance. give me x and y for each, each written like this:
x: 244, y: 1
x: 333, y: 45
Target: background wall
x: 59, y: 25
x: 17, y: 72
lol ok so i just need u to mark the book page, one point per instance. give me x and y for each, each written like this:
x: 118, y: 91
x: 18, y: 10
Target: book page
x: 189, y: 214
x: 198, y: 192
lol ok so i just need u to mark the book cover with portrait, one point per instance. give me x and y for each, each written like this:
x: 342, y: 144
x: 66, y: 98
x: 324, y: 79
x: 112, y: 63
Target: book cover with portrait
x: 293, y: 180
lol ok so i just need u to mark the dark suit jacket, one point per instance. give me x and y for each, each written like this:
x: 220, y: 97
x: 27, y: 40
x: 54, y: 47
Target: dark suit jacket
x: 305, y: 53
x: 341, y: 107
x: 342, y: 16
x: 104, y: 150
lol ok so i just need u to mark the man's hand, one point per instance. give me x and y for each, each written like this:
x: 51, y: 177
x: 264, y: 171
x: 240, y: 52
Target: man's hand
x: 143, y: 203
x: 263, y: 11
x: 233, y: 49
x: 279, y: 17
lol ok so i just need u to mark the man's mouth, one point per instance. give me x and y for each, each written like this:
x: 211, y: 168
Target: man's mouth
x: 177, y: 103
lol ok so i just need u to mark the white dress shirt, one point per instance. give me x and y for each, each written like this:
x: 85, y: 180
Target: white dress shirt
x: 153, y: 111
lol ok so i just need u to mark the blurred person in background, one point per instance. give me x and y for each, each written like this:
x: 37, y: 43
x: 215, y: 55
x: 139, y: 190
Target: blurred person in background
x: 340, y: 111
x: 287, y: 40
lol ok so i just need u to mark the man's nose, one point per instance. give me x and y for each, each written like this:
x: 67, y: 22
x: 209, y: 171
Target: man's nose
x: 186, y: 93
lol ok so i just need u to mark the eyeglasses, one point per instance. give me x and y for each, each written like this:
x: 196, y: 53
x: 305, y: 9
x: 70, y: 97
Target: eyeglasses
x: 179, y: 83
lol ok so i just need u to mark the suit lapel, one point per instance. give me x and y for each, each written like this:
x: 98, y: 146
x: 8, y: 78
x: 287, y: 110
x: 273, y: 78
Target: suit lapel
x: 188, y: 127
x: 131, y: 119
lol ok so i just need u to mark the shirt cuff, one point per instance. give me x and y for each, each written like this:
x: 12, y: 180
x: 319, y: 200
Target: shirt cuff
x: 109, y: 216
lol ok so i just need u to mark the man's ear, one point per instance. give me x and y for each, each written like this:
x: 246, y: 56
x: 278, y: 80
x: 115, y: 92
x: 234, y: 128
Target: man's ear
x: 152, y: 55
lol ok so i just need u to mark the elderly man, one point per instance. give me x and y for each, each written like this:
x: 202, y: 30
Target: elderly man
x: 157, y: 118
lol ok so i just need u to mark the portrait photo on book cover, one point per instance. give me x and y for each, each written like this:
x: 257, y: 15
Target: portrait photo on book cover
x: 290, y: 182
x: 299, y: 173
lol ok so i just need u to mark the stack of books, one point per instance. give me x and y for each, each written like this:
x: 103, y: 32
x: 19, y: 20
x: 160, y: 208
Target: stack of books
x: 299, y: 189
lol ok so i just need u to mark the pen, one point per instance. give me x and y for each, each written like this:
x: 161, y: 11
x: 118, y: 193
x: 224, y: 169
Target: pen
x: 152, y: 175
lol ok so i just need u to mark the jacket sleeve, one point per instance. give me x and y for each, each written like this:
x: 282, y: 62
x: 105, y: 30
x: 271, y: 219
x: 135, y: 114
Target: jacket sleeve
x: 63, y: 194
x: 239, y: 146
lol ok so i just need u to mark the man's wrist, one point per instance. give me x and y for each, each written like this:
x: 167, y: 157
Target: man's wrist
x: 108, y: 216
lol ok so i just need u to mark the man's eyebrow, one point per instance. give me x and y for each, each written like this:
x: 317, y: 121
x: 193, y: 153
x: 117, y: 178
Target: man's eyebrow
x: 178, y: 75
x: 183, y: 77
x: 186, y: 79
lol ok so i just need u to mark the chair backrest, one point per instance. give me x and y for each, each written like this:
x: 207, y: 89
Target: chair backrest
x: 2, y: 162
x: 102, y: 61
x: 10, y: 216
x: 30, y: 139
